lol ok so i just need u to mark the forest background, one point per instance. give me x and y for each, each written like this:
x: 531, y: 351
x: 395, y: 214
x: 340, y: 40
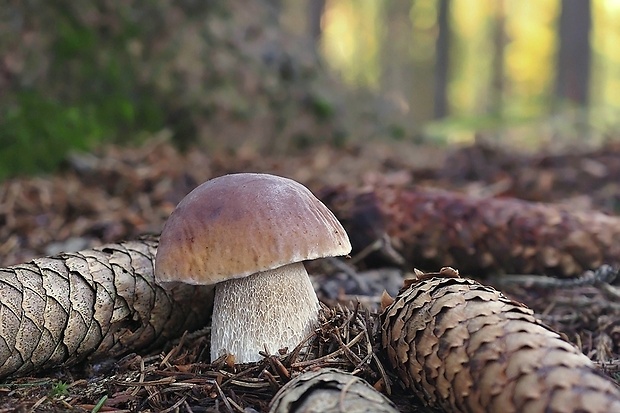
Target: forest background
x: 276, y: 76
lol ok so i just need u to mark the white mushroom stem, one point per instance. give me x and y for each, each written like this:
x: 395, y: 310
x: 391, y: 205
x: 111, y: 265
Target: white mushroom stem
x: 277, y: 308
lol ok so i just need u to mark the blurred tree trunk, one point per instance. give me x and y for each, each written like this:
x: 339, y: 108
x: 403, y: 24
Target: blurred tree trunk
x: 573, y: 66
x: 396, y: 43
x: 315, y: 14
x: 275, y: 7
x: 442, y: 60
x: 497, y: 70
x: 397, y: 67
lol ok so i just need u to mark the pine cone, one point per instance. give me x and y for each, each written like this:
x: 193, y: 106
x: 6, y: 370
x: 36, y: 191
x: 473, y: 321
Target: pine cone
x: 464, y: 347
x: 329, y: 391
x: 102, y: 302
x: 429, y: 228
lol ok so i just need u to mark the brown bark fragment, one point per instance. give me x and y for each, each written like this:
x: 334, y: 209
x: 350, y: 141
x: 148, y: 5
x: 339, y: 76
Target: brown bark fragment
x: 464, y: 347
x: 329, y: 390
x: 94, y: 303
x: 482, y: 236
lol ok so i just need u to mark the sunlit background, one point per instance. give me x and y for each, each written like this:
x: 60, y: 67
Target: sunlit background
x: 502, y: 61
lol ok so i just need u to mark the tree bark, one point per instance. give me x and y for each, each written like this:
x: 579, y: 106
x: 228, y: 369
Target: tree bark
x: 316, y: 8
x: 442, y: 60
x: 330, y: 391
x: 431, y: 229
x: 96, y: 303
x: 574, y: 51
x: 497, y: 68
x: 464, y: 347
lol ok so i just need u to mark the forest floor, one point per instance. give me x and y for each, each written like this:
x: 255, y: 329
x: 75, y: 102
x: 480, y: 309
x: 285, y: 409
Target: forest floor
x: 122, y: 193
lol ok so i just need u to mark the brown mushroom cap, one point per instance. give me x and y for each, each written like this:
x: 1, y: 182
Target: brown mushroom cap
x: 239, y: 224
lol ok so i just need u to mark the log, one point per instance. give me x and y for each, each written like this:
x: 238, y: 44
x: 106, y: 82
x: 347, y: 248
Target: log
x: 431, y: 228
x: 329, y: 390
x: 464, y: 347
x: 97, y: 303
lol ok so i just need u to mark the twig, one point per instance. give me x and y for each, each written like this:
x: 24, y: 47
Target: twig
x: 223, y: 397
x: 330, y: 355
x: 604, y: 275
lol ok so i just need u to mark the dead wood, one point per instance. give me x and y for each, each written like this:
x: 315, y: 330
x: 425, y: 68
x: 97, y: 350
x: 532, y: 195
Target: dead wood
x: 331, y: 391
x: 430, y: 228
x: 96, y: 303
x: 465, y: 347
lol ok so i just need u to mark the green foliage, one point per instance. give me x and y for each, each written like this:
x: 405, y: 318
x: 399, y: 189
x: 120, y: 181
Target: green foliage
x: 322, y: 108
x: 89, y: 94
x: 397, y: 132
x: 59, y: 389
x: 38, y: 132
x: 100, y: 404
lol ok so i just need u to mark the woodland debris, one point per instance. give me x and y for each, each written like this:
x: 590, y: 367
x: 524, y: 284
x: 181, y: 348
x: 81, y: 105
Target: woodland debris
x: 331, y: 391
x: 465, y: 347
x: 484, y: 236
x: 344, y: 339
x: 118, y: 193
x: 605, y: 274
x: 98, y: 303
x: 589, y: 177
x: 586, y: 309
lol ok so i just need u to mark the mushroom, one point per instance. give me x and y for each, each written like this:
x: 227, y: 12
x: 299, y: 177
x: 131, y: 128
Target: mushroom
x: 248, y: 234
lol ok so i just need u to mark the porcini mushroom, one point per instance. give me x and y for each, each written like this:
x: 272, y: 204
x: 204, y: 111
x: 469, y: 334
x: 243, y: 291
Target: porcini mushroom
x: 249, y: 234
